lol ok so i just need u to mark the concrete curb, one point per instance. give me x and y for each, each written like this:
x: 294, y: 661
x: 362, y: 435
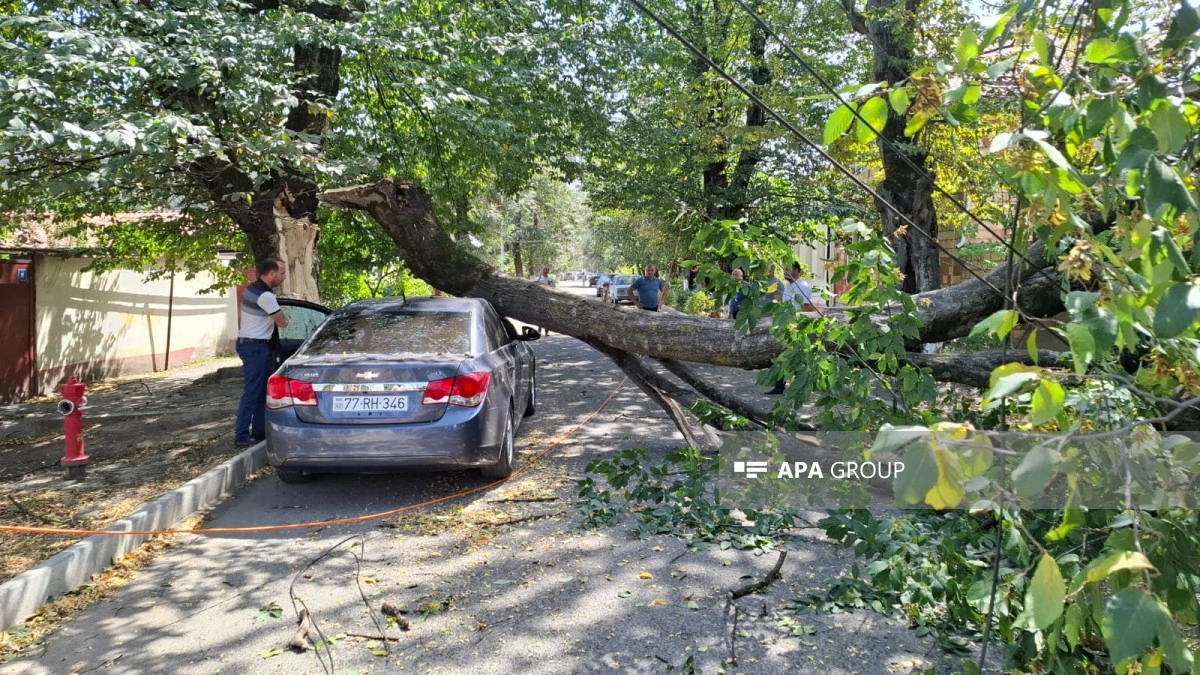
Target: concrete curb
x: 29, y: 591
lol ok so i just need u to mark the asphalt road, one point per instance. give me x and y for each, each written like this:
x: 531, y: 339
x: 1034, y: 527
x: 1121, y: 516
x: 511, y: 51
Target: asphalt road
x: 534, y: 596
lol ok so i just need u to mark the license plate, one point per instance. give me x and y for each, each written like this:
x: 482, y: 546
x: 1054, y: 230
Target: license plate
x: 370, y: 403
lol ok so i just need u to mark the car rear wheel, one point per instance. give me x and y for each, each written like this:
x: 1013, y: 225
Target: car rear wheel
x: 503, y: 467
x: 292, y: 476
x: 531, y: 405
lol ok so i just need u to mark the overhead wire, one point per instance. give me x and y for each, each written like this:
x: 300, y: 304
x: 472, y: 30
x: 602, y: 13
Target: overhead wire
x: 708, y: 61
x: 922, y: 171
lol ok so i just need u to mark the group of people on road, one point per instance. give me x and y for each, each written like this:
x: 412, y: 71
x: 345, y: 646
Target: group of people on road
x: 793, y: 289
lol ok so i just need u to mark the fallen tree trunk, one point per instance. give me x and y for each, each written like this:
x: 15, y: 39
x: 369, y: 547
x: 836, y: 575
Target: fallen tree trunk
x: 976, y: 369
x: 405, y: 213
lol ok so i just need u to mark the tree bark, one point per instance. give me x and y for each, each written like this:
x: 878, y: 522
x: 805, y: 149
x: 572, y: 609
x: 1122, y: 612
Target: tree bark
x: 907, y: 185
x: 976, y: 369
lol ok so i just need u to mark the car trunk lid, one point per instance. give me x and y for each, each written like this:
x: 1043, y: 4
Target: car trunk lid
x: 359, y: 389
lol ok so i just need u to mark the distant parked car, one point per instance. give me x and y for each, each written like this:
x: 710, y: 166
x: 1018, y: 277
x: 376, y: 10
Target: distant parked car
x: 620, y: 288
x: 387, y: 385
x: 593, y: 278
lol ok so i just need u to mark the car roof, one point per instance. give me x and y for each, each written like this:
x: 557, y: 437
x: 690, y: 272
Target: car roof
x: 418, y: 304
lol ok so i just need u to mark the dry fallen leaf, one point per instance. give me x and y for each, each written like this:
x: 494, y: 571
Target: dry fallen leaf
x: 658, y: 601
x: 645, y: 575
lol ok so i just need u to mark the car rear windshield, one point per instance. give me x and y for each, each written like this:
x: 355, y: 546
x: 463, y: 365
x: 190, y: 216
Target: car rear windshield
x: 393, y: 333
x: 625, y: 279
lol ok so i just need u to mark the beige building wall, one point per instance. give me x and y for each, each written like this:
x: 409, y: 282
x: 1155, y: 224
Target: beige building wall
x: 814, y: 255
x: 100, y: 324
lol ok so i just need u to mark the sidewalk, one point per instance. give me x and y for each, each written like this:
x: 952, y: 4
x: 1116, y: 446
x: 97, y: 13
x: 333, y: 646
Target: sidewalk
x: 144, y: 435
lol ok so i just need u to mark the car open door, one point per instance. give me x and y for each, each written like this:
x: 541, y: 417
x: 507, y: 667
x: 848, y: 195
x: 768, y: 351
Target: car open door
x: 303, y: 320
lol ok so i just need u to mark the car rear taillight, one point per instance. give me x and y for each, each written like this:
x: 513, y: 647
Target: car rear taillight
x: 284, y: 392
x: 465, y: 390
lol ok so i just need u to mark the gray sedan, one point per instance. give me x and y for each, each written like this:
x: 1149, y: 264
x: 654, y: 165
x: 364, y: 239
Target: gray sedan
x: 385, y: 385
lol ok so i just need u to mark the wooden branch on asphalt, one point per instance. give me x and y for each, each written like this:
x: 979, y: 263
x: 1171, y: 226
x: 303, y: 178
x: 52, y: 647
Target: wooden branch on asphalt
x: 713, y: 393
x: 662, y: 391
x: 757, y: 586
x: 304, y: 633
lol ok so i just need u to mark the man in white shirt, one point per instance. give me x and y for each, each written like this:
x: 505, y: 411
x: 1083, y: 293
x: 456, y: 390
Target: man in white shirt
x: 260, y: 314
x: 798, y: 292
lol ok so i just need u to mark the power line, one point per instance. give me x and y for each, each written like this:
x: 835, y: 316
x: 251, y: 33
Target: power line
x: 808, y: 141
x: 891, y: 144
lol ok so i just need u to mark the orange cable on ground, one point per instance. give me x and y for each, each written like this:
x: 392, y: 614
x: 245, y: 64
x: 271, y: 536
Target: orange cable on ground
x: 323, y: 523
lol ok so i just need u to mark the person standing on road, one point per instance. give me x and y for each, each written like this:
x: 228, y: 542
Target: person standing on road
x: 547, y: 281
x: 799, y: 294
x: 798, y: 291
x: 648, y: 291
x: 260, y: 315
x: 735, y: 305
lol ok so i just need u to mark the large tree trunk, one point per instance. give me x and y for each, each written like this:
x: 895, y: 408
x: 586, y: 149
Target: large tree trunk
x: 279, y: 218
x: 907, y: 185
x: 404, y: 211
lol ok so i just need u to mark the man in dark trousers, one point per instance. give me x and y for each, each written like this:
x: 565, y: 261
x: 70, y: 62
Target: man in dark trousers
x: 260, y: 315
x: 648, y: 291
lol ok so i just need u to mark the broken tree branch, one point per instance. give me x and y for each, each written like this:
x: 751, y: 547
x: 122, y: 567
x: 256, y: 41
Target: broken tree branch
x: 757, y: 586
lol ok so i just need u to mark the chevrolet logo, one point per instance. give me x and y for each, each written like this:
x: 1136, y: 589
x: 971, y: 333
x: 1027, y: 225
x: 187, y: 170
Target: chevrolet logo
x: 368, y: 375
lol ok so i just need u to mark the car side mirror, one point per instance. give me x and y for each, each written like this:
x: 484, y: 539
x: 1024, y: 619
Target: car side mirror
x: 529, y: 333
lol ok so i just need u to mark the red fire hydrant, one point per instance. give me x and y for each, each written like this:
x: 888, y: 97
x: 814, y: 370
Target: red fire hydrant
x: 71, y: 408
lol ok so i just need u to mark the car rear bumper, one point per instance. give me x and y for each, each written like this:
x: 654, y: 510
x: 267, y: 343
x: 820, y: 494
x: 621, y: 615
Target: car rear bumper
x: 463, y: 438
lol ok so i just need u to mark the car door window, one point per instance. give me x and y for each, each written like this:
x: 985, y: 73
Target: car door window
x: 302, y: 322
x: 496, y: 334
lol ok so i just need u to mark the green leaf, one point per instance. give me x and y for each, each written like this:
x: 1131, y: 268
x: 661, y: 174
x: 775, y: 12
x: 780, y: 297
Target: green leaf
x: 1042, y: 46
x: 1052, y: 153
x: 1177, y: 310
x: 838, y: 124
x: 875, y: 112
x: 1048, y: 401
x: 915, y: 123
x: 1100, y: 568
x: 1183, y: 26
x: 972, y: 94
x: 1164, y: 192
x: 1000, y: 323
x: 1072, y: 624
x: 899, y: 100
x: 968, y: 47
x: 964, y: 113
x: 1031, y: 345
x: 1104, y: 50
x: 1099, y: 111
x: 268, y: 653
x: 998, y: 26
x: 1045, y: 594
x: 1034, y: 472
x: 1170, y: 127
x: 891, y: 438
x: 1138, y: 150
x: 1008, y: 385
x: 919, y: 476
x: 1131, y: 622
x: 1083, y: 346
x: 1174, y: 648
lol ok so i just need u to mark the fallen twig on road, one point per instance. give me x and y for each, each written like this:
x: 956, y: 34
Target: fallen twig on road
x: 524, y: 499
x: 373, y: 637
x: 301, y: 641
x: 762, y: 583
